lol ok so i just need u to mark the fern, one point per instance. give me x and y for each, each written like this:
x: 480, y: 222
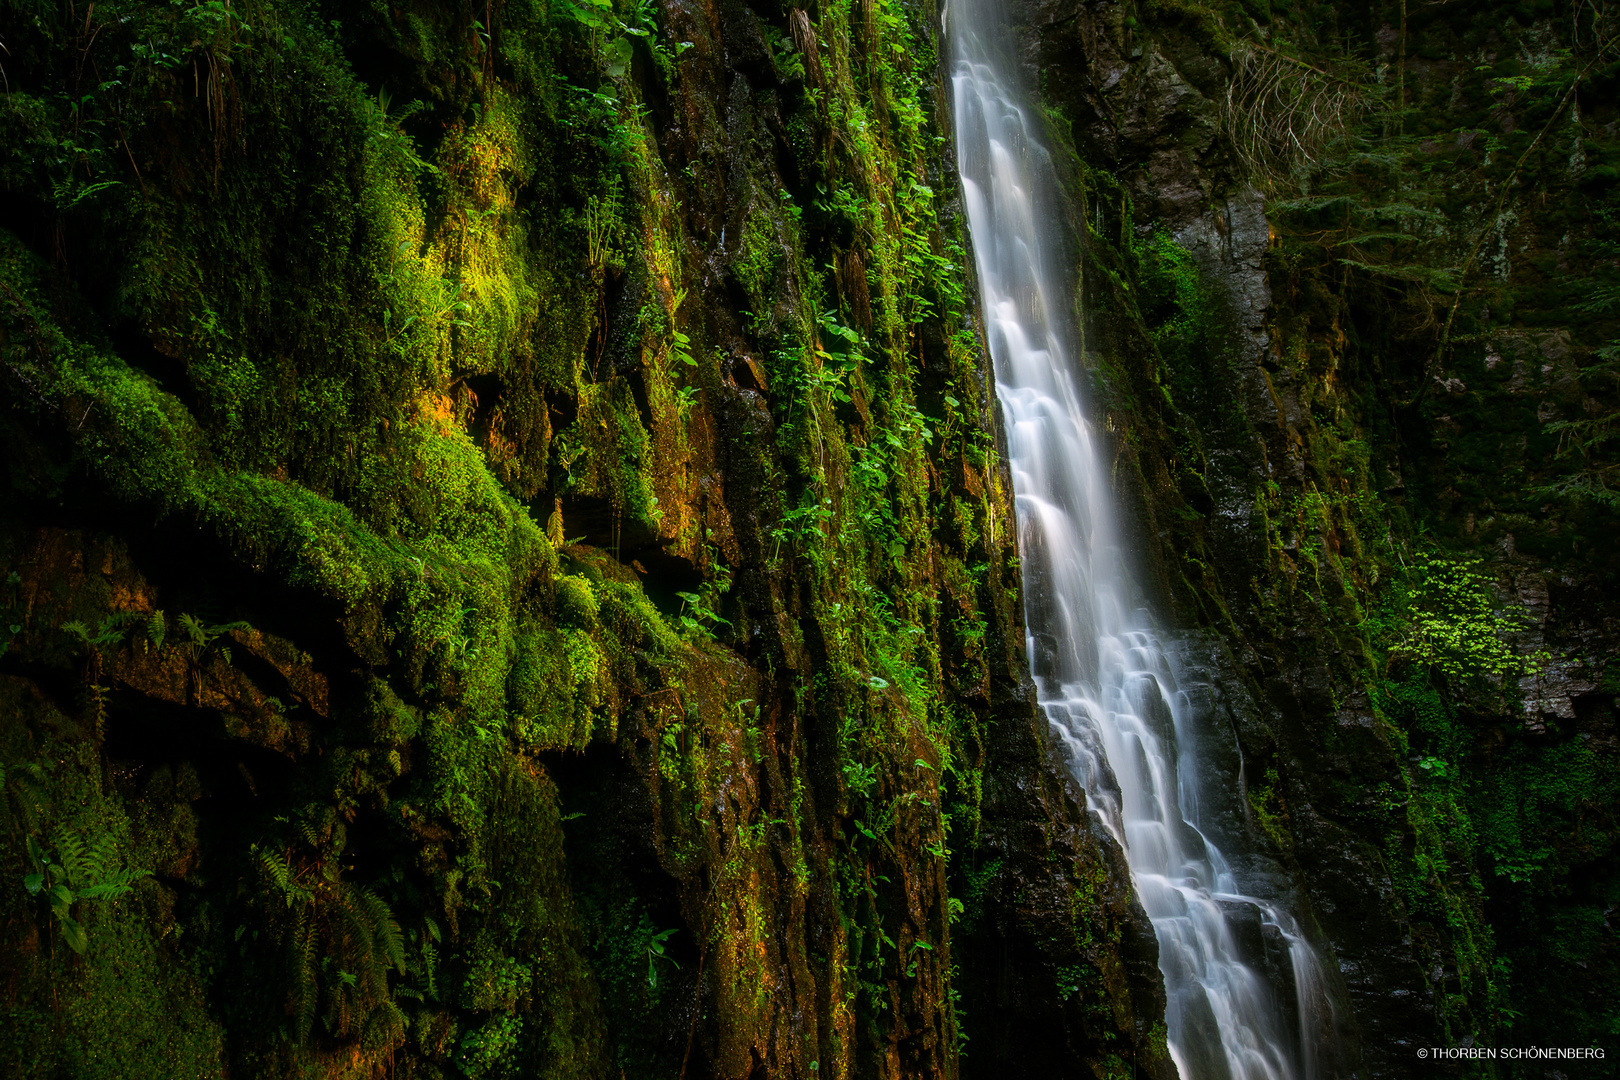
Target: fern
x: 277, y: 868
x: 112, y: 885
x: 200, y: 637
x: 23, y: 802
x: 353, y: 928
x: 110, y: 632
x: 97, y: 858
x: 193, y: 628
x: 341, y: 938
x: 386, y: 938
x: 79, y: 871
x: 281, y: 875
x: 305, y: 990
x: 430, y: 969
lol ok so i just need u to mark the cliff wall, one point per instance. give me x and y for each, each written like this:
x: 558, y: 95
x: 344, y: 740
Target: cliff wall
x: 509, y: 567
x: 1347, y: 277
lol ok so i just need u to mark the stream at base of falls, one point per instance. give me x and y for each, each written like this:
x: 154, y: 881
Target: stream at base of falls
x: 1103, y: 676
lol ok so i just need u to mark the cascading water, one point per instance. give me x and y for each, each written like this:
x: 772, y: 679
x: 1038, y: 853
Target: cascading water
x: 1102, y: 676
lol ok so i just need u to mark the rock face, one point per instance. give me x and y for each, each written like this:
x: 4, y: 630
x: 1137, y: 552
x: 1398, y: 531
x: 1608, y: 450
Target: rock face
x: 508, y: 562
x: 1310, y: 485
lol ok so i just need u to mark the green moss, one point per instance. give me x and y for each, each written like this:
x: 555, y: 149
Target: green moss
x: 758, y: 258
x: 605, y: 454
x: 1269, y: 810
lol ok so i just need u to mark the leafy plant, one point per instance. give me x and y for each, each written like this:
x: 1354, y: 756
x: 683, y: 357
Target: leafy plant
x: 445, y: 301
x: 1437, y: 768
x: 199, y: 637
x: 801, y: 524
x: 861, y: 778
x: 1444, y: 615
x: 77, y: 871
x: 340, y: 938
x: 482, y: 1049
x: 697, y: 616
x: 655, y: 952
x: 601, y: 229
x: 789, y: 61
x: 592, y: 14
x: 21, y: 794
x: 108, y: 633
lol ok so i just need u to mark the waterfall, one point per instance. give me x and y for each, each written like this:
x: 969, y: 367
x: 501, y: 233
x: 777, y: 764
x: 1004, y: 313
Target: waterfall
x: 1103, y: 677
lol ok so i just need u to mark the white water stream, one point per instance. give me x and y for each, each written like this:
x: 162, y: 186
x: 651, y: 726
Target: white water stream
x: 1103, y: 678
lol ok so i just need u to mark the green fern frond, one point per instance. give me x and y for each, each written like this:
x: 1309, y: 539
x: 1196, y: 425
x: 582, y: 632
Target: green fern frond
x: 112, y: 627
x: 281, y: 875
x: 112, y: 886
x: 107, y: 633
x: 157, y: 628
x: 430, y: 969
x: 386, y: 937
x: 276, y: 867
x: 352, y: 930
x: 194, y: 630
x: 75, y: 858
x: 25, y: 795
x: 305, y: 990
x: 101, y: 855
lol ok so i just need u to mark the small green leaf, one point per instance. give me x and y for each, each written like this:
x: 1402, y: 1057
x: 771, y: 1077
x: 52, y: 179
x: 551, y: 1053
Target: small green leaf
x: 619, y: 54
x: 74, y: 935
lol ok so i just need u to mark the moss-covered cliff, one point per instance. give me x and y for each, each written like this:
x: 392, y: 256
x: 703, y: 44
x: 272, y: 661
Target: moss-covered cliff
x: 508, y: 568
x: 1348, y: 277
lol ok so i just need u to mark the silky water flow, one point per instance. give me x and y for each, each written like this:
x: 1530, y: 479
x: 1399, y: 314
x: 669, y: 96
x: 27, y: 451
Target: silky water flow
x: 1103, y: 678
